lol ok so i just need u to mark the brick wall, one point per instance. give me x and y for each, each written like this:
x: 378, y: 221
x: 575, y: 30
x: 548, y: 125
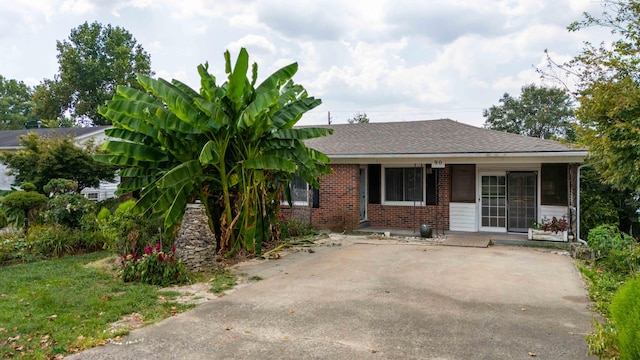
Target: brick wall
x: 340, y: 205
x: 411, y: 217
x: 339, y: 199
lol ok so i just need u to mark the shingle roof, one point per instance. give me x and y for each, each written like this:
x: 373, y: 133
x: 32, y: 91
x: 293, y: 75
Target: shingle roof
x: 9, y: 139
x: 426, y: 137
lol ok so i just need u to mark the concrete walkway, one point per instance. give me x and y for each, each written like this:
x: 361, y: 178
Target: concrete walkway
x: 383, y: 300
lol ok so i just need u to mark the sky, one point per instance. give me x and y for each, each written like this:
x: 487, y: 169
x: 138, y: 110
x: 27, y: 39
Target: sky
x: 395, y: 60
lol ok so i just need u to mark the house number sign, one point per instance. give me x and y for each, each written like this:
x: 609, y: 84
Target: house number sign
x: 437, y: 164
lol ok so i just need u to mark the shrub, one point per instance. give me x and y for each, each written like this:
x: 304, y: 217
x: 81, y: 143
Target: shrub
x: 625, y: 314
x: 129, y: 233
x: 69, y: 210
x: 25, y: 204
x: 602, y: 342
x: 56, y: 240
x: 614, y: 250
x: 4, y: 220
x: 294, y: 228
x: 13, y: 248
x: 155, y: 267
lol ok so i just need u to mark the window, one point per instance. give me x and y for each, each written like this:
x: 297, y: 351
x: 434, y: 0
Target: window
x: 554, y: 186
x: 299, y: 191
x: 463, y: 183
x: 404, y: 185
x: 92, y: 196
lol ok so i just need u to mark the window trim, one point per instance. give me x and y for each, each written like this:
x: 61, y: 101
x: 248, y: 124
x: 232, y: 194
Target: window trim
x: 402, y: 203
x: 284, y: 201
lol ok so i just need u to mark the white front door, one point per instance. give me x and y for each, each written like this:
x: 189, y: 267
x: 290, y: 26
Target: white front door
x: 493, y: 202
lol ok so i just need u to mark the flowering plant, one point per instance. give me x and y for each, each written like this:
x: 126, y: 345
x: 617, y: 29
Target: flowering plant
x: 155, y: 267
x: 555, y: 225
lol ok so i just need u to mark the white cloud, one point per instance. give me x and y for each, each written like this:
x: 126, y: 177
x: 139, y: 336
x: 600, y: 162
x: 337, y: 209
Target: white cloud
x: 77, y: 7
x: 253, y: 44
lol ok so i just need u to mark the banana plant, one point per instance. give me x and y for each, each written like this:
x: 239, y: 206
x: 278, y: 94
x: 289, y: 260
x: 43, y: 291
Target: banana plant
x: 232, y: 146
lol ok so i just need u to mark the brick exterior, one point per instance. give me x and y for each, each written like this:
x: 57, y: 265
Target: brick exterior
x: 339, y: 208
x: 410, y: 217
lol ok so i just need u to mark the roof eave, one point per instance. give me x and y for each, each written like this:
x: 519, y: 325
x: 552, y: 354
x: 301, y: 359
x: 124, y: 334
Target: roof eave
x: 574, y: 156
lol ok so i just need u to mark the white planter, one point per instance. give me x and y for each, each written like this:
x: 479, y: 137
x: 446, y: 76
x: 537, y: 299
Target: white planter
x: 536, y: 234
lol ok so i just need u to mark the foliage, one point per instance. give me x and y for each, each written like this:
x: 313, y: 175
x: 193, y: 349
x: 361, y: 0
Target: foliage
x: 14, y: 249
x: 44, y: 241
x: 602, y: 341
x: 42, y: 159
x: 92, y: 62
x: 230, y: 146
x: 541, y: 112
x: 155, y: 267
x: 603, y: 285
x: 625, y: 315
x: 67, y: 305
x: 60, y: 186
x: 69, y: 210
x: 129, y: 233
x: 601, y: 203
x: 293, y: 228
x: 609, y: 93
x: 615, y: 250
x: 15, y: 104
x: 4, y: 220
x: 28, y: 186
x: 359, y: 118
x: 555, y: 225
x: 26, y: 204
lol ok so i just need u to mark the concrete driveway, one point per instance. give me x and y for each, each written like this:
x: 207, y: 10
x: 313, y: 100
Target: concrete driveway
x: 383, y: 301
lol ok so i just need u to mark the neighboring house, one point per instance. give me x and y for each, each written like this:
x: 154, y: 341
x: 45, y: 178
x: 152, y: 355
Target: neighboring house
x: 10, y: 140
x: 451, y: 175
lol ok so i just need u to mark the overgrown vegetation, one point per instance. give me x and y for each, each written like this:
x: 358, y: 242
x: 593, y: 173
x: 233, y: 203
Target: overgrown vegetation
x: 611, y: 274
x: 66, y: 305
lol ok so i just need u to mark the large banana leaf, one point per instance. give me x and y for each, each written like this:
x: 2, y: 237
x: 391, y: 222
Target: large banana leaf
x: 257, y: 107
x: 135, y: 151
x: 302, y: 133
x: 288, y: 115
x: 189, y: 171
x: 210, y: 153
x: 278, y: 78
x: 269, y: 162
x: 237, y: 79
x: 180, y: 104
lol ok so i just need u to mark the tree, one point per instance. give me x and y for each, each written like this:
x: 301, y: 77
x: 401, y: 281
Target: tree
x: 232, y: 146
x: 541, y: 112
x: 43, y: 159
x: 359, y: 118
x: 92, y: 62
x: 15, y: 104
x: 608, y: 91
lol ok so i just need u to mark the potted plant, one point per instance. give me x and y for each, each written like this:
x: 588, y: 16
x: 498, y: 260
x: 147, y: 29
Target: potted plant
x: 550, y: 230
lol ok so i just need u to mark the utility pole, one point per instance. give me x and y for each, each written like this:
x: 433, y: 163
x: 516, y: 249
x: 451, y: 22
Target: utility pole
x: 329, y: 117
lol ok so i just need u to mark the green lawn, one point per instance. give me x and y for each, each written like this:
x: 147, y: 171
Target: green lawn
x: 62, y: 306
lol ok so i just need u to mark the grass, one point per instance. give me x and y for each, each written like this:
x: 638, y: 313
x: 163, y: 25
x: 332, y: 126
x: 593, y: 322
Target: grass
x: 222, y: 281
x: 63, y: 306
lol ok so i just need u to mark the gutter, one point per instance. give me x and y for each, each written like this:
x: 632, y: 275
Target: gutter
x: 458, y: 155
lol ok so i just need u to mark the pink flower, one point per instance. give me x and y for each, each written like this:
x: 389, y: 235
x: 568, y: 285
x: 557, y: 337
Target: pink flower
x: 158, y: 246
x: 148, y: 250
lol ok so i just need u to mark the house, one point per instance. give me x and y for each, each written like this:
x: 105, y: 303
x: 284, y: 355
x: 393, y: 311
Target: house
x: 10, y: 140
x: 451, y: 175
